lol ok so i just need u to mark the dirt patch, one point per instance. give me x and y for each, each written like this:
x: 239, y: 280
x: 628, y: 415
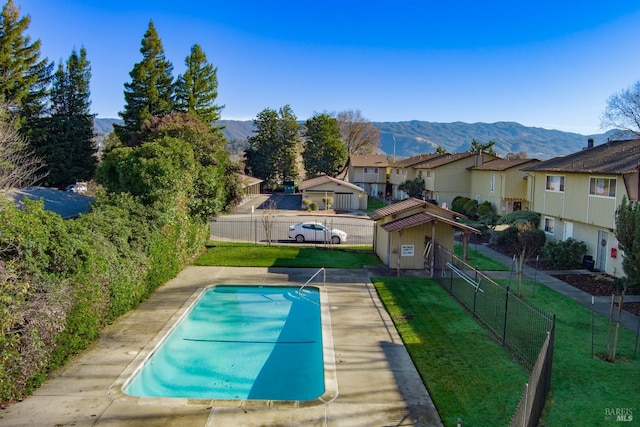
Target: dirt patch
x: 598, y: 284
x: 595, y: 283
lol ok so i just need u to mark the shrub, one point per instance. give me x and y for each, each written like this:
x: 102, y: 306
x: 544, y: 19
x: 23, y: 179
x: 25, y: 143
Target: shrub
x: 490, y: 219
x: 457, y: 205
x: 565, y: 254
x: 520, y: 217
x: 470, y: 208
x: 328, y: 202
x: 485, y: 208
x: 508, y: 236
x: 313, y: 206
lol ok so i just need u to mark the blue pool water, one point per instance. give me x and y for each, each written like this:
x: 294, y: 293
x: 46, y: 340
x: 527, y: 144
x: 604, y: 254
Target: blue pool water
x: 240, y: 342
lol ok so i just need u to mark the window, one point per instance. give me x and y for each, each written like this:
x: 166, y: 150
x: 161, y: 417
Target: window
x: 493, y: 182
x: 419, y: 174
x: 555, y: 183
x: 548, y: 225
x: 371, y: 170
x: 605, y: 187
x: 429, y: 173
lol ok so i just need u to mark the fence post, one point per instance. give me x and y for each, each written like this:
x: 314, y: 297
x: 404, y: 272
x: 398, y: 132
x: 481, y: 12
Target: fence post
x: 506, y: 309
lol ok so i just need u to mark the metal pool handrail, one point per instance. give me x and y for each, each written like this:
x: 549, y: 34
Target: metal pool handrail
x: 324, y: 279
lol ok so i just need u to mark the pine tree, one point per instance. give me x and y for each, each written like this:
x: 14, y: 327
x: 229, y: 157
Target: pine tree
x: 272, y: 151
x: 150, y: 92
x: 324, y: 152
x: 67, y: 144
x: 25, y: 77
x: 197, y: 88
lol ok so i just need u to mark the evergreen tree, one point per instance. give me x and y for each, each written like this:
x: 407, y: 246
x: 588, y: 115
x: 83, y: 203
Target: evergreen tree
x: 150, y: 92
x: 25, y: 77
x: 324, y: 152
x: 67, y: 138
x: 272, y: 151
x: 197, y: 88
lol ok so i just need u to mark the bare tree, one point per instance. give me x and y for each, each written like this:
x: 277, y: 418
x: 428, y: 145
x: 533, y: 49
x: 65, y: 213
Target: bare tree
x: 359, y: 135
x: 623, y: 110
x: 19, y: 167
x: 514, y: 156
x: 269, y: 215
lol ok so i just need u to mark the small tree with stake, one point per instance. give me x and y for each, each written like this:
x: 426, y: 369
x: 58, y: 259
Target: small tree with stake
x: 628, y: 235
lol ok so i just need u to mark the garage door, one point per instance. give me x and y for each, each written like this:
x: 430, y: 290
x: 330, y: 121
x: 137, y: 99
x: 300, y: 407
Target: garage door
x: 342, y: 202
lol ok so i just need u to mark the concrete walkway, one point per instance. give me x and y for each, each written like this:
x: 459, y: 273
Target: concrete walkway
x: 377, y: 383
x: 601, y: 305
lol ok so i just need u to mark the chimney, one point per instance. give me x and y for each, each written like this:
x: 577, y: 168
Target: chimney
x: 590, y: 143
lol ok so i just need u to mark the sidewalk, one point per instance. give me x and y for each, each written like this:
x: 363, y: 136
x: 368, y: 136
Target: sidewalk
x: 601, y: 305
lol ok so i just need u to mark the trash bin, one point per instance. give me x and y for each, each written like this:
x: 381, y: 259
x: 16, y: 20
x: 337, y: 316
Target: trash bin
x: 588, y: 263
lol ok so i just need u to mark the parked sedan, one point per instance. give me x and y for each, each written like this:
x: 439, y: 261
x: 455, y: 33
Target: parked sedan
x: 316, y: 232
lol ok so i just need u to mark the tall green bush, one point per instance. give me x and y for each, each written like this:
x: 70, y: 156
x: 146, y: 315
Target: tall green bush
x: 457, y: 204
x: 565, y: 254
x: 520, y: 217
x: 485, y: 208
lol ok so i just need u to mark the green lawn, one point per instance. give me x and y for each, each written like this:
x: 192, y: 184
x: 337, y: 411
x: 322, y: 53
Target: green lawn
x: 374, y: 204
x: 480, y: 260
x: 468, y: 374
x: 250, y: 255
x: 583, y: 387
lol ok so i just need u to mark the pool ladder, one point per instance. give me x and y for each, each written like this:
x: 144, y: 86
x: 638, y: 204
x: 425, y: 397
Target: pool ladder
x: 324, y: 279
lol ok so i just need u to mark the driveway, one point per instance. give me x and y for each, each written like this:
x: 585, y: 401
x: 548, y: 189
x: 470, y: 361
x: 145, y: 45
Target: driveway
x: 282, y: 202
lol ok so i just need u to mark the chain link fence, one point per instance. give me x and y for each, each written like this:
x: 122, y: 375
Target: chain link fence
x: 260, y: 230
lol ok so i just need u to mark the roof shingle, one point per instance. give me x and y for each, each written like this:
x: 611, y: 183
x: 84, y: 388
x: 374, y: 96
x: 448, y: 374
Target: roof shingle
x: 613, y: 157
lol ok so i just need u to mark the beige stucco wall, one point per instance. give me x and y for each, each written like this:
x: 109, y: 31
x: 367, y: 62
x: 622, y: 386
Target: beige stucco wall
x: 584, y: 217
x: 415, y: 237
x: 510, y: 185
x: 358, y: 198
x: 388, y: 245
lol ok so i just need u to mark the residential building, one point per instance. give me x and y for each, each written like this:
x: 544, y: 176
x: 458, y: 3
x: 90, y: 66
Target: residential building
x: 448, y: 175
x: 402, y: 170
x: 369, y: 172
x: 502, y: 183
x: 577, y: 196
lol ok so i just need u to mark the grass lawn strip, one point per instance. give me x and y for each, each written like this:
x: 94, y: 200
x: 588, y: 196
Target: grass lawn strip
x: 293, y: 256
x: 469, y: 375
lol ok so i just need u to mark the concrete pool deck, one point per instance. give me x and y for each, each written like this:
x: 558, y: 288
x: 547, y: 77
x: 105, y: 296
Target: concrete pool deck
x: 377, y: 381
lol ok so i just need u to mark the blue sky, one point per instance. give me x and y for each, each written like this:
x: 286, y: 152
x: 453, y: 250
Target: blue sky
x: 549, y: 64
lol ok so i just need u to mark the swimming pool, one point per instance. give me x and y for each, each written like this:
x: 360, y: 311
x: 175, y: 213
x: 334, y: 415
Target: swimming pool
x: 239, y: 342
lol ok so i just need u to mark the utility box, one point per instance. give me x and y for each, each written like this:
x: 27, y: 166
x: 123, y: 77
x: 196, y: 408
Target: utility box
x: 289, y: 187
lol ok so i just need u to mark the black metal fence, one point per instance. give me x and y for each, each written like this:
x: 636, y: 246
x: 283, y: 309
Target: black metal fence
x: 533, y: 399
x: 520, y: 326
x: 259, y: 229
x: 526, y: 330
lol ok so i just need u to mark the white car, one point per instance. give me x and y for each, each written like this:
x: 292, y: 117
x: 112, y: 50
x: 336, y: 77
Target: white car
x: 316, y: 232
x: 78, y: 187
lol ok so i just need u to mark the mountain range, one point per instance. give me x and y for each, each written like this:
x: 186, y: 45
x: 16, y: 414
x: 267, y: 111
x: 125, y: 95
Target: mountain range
x: 408, y: 138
